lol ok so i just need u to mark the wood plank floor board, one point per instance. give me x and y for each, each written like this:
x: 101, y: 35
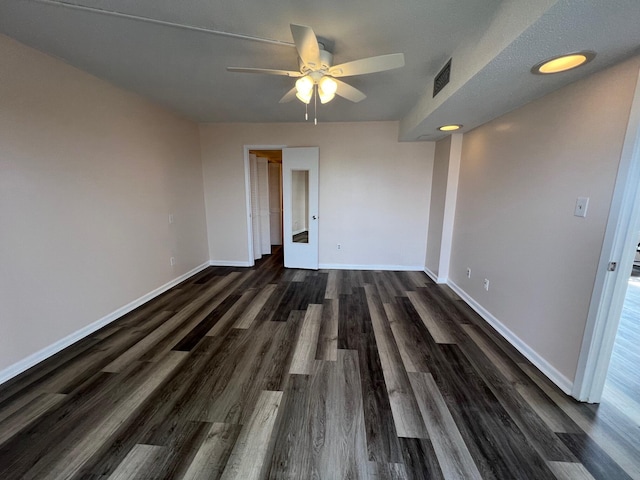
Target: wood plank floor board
x: 230, y: 317
x: 307, y: 343
x: 382, y: 437
x: 24, y: 388
x: 90, y: 426
x: 433, y: 317
x: 506, y: 452
x: 410, y: 344
x: 275, y: 372
x: 292, y: 299
x: 404, y: 408
x: 28, y: 414
x: 493, y: 437
x: 324, y: 436
x: 492, y: 370
x: 181, y: 449
x: 173, y: 390
x: 420, y: 460
x: 570, y: 471
x: 387, y: 471
x: 327, y: 348
x: 253, y: 309
x: 138, y: 462
x: 268, y: 310
x: 209, y: 461
x: 400, y: 282
x: 199, y: 331
x: 250, y: 456
x: 446, y: 442
x: 167, y: 407
x: 385, y: 289
x: 355, y: 332
x: 333, y: 285
x: 467, y: 315
x: 594, y: 459
x: 619, y: 442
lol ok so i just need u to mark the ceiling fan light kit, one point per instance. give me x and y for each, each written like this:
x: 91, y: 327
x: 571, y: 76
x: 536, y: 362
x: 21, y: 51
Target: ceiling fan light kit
x: 317, y: 73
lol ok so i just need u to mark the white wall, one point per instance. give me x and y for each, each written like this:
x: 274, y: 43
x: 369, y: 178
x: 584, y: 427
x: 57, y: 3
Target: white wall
x: 514, y: 225
x: 88, y: 177
x: 374, y: 191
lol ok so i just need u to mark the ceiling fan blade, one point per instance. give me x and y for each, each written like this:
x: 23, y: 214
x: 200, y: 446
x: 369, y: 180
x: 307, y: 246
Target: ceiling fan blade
x: 307, y: 45
x: 290, y: 95
x: 368, y: 65
x: 350, y: 93
x: 266, y: 71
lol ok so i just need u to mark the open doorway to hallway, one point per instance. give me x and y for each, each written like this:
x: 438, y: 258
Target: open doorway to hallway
x: 266, y: 200
x: 622, y: 386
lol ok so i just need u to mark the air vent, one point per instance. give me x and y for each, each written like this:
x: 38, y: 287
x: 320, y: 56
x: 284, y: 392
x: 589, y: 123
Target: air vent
x: 442, y: 78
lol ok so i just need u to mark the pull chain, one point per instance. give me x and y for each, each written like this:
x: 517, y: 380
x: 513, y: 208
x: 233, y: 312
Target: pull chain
x: 315, y: 105
x: 306, y: 115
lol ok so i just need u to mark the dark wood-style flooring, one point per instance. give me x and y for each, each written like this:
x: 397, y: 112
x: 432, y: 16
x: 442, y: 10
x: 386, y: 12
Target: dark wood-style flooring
x: 275, y: 373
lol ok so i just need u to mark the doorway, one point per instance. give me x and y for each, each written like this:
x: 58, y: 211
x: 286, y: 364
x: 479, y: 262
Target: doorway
x: 282, y: 203
x: 622, y: 385
x: 616, y: 261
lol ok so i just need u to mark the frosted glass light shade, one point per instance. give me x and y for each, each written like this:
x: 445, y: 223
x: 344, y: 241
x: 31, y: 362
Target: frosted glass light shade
x: 327, y: 87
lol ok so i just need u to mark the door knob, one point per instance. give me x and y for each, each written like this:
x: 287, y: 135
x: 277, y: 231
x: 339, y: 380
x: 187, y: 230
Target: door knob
x: 314, y: 217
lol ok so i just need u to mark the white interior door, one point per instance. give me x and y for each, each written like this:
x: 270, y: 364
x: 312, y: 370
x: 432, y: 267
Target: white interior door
x: 300, y: 207
x: 275, y: 203
x: 263, y: 206
x: 255, y: 207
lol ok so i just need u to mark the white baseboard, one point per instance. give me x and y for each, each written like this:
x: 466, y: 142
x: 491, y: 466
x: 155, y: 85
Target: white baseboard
x: 229, y: 263
x: 434, y: 277
x: 37, y: 357
x: 395, y: 268
x: 545, y: 367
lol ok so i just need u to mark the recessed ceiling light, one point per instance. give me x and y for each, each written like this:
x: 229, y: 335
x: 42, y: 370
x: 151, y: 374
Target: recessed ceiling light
x: 449, y: 128
x: 562, y: 63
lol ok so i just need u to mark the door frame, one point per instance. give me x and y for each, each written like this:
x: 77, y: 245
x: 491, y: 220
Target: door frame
x: 247, y: 193
x: 621, y: 235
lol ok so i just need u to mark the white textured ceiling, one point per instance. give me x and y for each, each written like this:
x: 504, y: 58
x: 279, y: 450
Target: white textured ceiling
x: 493, y: 43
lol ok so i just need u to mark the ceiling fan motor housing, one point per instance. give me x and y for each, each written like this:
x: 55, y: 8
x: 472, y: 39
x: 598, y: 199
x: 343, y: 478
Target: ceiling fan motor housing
x: 326, y: 61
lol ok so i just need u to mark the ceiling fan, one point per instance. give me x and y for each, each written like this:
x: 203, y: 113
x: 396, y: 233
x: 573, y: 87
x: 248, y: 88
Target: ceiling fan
x: 317, y: 72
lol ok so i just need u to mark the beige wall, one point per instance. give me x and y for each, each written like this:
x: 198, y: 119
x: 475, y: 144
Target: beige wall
x: 374, y: 191
x: 438, y: 196
x: 88, y: 177
x: 514, y: 224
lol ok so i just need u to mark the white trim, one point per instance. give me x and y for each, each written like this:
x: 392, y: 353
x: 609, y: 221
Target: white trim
x: 37, y: 357
x: 621, y: 237
x: 545, y: 367
x: 229, y: 263
x: 247, y: 194
x: 431, y: 275
x: 393, y: 268
x: 434, y: 277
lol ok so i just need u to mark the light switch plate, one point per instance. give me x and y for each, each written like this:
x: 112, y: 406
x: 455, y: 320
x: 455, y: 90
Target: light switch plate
x: 581, y: 207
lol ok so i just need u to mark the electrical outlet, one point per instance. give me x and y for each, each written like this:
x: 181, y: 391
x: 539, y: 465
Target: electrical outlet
x: 486, y: 284
x: 339, y: 246
x: 468, y: 273
x: 172, y: 261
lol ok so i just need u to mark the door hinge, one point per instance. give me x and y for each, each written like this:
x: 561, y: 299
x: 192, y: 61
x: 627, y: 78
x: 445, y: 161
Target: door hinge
x: 612, y: 266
